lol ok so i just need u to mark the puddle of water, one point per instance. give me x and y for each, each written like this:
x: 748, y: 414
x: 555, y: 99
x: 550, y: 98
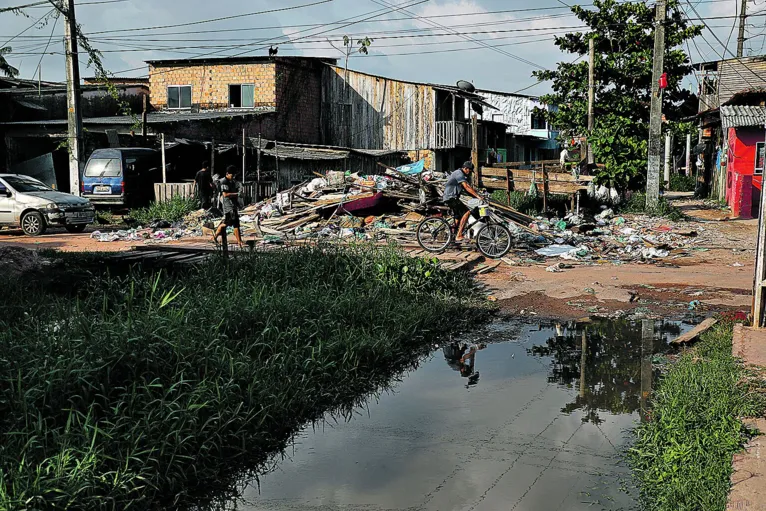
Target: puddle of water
x: 542, y: 427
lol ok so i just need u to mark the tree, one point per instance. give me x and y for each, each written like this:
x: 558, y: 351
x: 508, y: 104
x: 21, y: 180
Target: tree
x: 624, y: 42
x: 5, y: 68
x: 349, y: 48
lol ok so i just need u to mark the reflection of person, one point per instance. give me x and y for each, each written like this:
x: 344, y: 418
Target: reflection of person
x: 230, y: 193
x: 461, y: 356
x: 456, y: 184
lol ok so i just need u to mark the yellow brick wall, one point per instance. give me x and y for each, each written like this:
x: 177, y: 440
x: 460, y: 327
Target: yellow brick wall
x: 210, y: 84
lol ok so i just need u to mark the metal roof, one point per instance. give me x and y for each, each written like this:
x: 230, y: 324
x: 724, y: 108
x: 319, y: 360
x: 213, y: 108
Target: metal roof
x: 735, y: 116
x: 235, y: 60
x: 152, y: 118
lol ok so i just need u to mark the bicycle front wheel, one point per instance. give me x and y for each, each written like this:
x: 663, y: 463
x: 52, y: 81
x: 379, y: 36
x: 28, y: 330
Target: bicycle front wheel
x: 434, y: 234
x: 494, y: 240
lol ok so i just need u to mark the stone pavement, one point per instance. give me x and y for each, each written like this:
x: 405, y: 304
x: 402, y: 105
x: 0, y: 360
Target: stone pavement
x: 749, y: 478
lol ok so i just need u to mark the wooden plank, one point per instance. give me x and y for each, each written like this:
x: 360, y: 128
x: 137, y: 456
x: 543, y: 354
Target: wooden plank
x: 489, y: 268
x: 519, y: 174
x: 695, y: 332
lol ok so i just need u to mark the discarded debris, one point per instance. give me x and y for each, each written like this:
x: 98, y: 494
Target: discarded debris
x: 696, y: 331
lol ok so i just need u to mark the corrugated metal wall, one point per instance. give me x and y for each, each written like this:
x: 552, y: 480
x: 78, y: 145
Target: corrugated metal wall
x: 384, y: 114
x: 738, y: 75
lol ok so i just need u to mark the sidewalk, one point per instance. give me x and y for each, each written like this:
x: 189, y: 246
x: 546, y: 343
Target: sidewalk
x: 749, y: 477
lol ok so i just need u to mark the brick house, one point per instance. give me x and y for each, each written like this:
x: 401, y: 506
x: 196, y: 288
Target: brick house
x: 278, y: 97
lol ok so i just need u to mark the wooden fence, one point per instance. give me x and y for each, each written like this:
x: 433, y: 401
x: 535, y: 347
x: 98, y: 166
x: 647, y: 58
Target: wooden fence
x: 251, y: 192
x: 510, y: 176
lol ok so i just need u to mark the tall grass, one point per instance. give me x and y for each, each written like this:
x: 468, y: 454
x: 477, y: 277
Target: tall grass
x: 131, y: 389
x: 172, y: 211
x: 682, y: 457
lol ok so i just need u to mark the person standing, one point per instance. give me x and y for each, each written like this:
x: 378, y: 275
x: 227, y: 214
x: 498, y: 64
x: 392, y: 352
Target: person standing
x: 203, y: 182
x: 230, y: 197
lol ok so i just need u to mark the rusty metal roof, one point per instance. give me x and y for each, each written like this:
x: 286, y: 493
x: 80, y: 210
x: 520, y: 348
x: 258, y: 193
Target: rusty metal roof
x: 736, y: 116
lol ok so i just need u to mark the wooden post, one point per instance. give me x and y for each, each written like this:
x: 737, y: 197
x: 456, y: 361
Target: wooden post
x: 258, y: 170
x: 508, y: 183
x: 244, y: 155
x: 276, y: 152
x: 545, y: 189
x: 583, y: 361
x: 475, y: 147
x: 143, y: 118
x: 225, y: 243
x: 212, y: 157
x: 164, y: 163
x: 759, y: 280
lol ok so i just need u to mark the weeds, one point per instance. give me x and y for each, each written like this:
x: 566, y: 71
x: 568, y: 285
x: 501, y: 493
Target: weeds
x: 128, y: 390
x: 679, y: 183
x: 682, y: 456
x: 636, y: 204
x: 528, y: 204
x: 173, y: 210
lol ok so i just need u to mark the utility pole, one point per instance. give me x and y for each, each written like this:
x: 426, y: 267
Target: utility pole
x: 591, y: 94
x: 688, y: 154
x: 759, y: 280
x: 741, y: 36
x: 475, y: 148
x: 244, y: 154
x: 655, y: 117
x: 74, y: 112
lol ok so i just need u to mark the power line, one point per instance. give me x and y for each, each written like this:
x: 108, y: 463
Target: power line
x: 200, y: 22
x: 40, y: 63
x: 28, y: 28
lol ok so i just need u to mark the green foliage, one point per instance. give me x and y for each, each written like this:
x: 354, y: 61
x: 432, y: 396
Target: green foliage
x: 133, y: 387
x: 682, y: 456
x: 679, y: 183
x: 172, y: 211
x: 525, y: 203
x: 624, y: 41
x: 636, y: 204
x: 5, y: 68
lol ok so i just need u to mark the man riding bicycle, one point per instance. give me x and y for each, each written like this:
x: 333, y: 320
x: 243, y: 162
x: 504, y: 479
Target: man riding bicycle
x: 456, y: 184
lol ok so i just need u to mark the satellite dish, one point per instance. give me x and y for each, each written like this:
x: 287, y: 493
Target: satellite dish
x: 466, y: 86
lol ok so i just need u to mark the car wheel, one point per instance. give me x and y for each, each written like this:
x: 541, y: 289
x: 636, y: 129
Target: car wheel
x: 33, y: 224
x: 75, y: 228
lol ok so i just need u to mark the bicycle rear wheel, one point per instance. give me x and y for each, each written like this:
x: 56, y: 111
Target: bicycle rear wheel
x: 494, y: 240
x: 434, y: 234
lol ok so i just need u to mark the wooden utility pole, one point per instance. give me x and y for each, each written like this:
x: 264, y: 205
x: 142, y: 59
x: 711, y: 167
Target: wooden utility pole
x: 591, y: 93
x: 258, y: 170
x: 688, y: 154
x: 74, y: 112
x: 741, y: 35
x: 655, y: 116
x: 143, y: 117
x: 475, y: 148
x: 164, y: 162
x: 759, y: 282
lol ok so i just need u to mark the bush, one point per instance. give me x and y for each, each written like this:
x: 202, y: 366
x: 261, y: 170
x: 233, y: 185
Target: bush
x: 173, y: 210
x: 682, y: 455
x: 134, y: 388
x: 679, y: 183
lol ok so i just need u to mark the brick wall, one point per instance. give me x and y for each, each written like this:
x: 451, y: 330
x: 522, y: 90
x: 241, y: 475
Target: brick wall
x: 210, y: 84
x: 299, y: 101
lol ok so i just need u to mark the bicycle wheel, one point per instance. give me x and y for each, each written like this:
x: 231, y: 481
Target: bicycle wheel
x: 434, y: 234
x: 494, y: 240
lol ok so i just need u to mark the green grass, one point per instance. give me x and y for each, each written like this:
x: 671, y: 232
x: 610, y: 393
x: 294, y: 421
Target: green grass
x: 682, y: 457
x: 636, y: 204
x: 524, y: 203
x: 130, y: 388
x: 172, y: 211
x: 679, y: 183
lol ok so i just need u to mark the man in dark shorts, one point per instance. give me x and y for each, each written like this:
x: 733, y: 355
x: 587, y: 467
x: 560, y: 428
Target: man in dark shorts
x: 230, y: 198
x: 203, y: 181
x: 457, y: 183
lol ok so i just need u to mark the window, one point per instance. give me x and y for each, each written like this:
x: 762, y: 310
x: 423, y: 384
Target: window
x: 103, y: 167
x: 242, y: 96
x: 538, y: 121
x: 759, y: 157
x: 179, y: 96
x: 24, y: 184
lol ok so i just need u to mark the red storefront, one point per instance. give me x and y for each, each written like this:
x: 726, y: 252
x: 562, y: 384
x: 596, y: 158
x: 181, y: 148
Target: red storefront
x: 746, y: 137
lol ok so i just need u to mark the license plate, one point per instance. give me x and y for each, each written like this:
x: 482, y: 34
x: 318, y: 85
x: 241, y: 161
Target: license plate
x: 102, y: 189
x: 78, y: 214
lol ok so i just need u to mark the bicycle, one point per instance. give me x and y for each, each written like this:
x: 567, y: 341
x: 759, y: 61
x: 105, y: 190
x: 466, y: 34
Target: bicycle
x: 493, y: 239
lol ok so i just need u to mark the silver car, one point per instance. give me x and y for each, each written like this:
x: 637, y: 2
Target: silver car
x: 26, y: 202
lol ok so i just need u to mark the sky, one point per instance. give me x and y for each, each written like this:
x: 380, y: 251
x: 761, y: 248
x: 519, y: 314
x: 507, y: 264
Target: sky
x: 412, y: 39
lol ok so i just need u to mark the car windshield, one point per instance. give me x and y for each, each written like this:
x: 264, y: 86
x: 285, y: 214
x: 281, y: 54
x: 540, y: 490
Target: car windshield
x: 24, y: 184
x: 106, y: 167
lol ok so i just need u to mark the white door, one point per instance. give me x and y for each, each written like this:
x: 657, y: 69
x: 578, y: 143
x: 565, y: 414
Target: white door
x: 7, y: 205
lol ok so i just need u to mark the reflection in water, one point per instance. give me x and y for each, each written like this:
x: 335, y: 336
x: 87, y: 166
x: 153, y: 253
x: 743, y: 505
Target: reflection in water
x: 543, y: 429
x: 611, y: 361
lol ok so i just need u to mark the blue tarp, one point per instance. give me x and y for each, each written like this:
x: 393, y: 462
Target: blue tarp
x: 413, y: 168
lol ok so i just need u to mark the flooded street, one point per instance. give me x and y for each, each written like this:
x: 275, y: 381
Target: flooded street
x: 542, y: 427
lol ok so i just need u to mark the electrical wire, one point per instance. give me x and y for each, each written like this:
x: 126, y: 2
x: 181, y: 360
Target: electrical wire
x: 40, y: 63
x: 4, y: 45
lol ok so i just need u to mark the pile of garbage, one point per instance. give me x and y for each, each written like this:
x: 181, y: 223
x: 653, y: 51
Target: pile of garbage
x: 159, y: 231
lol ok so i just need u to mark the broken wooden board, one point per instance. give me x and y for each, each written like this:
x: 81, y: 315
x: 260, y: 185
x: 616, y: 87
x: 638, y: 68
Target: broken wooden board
x: 695, y: 332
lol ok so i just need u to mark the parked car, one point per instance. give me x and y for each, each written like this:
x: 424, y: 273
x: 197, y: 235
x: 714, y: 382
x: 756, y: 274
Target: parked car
x: 26, y: 202
x: 122, y: 177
